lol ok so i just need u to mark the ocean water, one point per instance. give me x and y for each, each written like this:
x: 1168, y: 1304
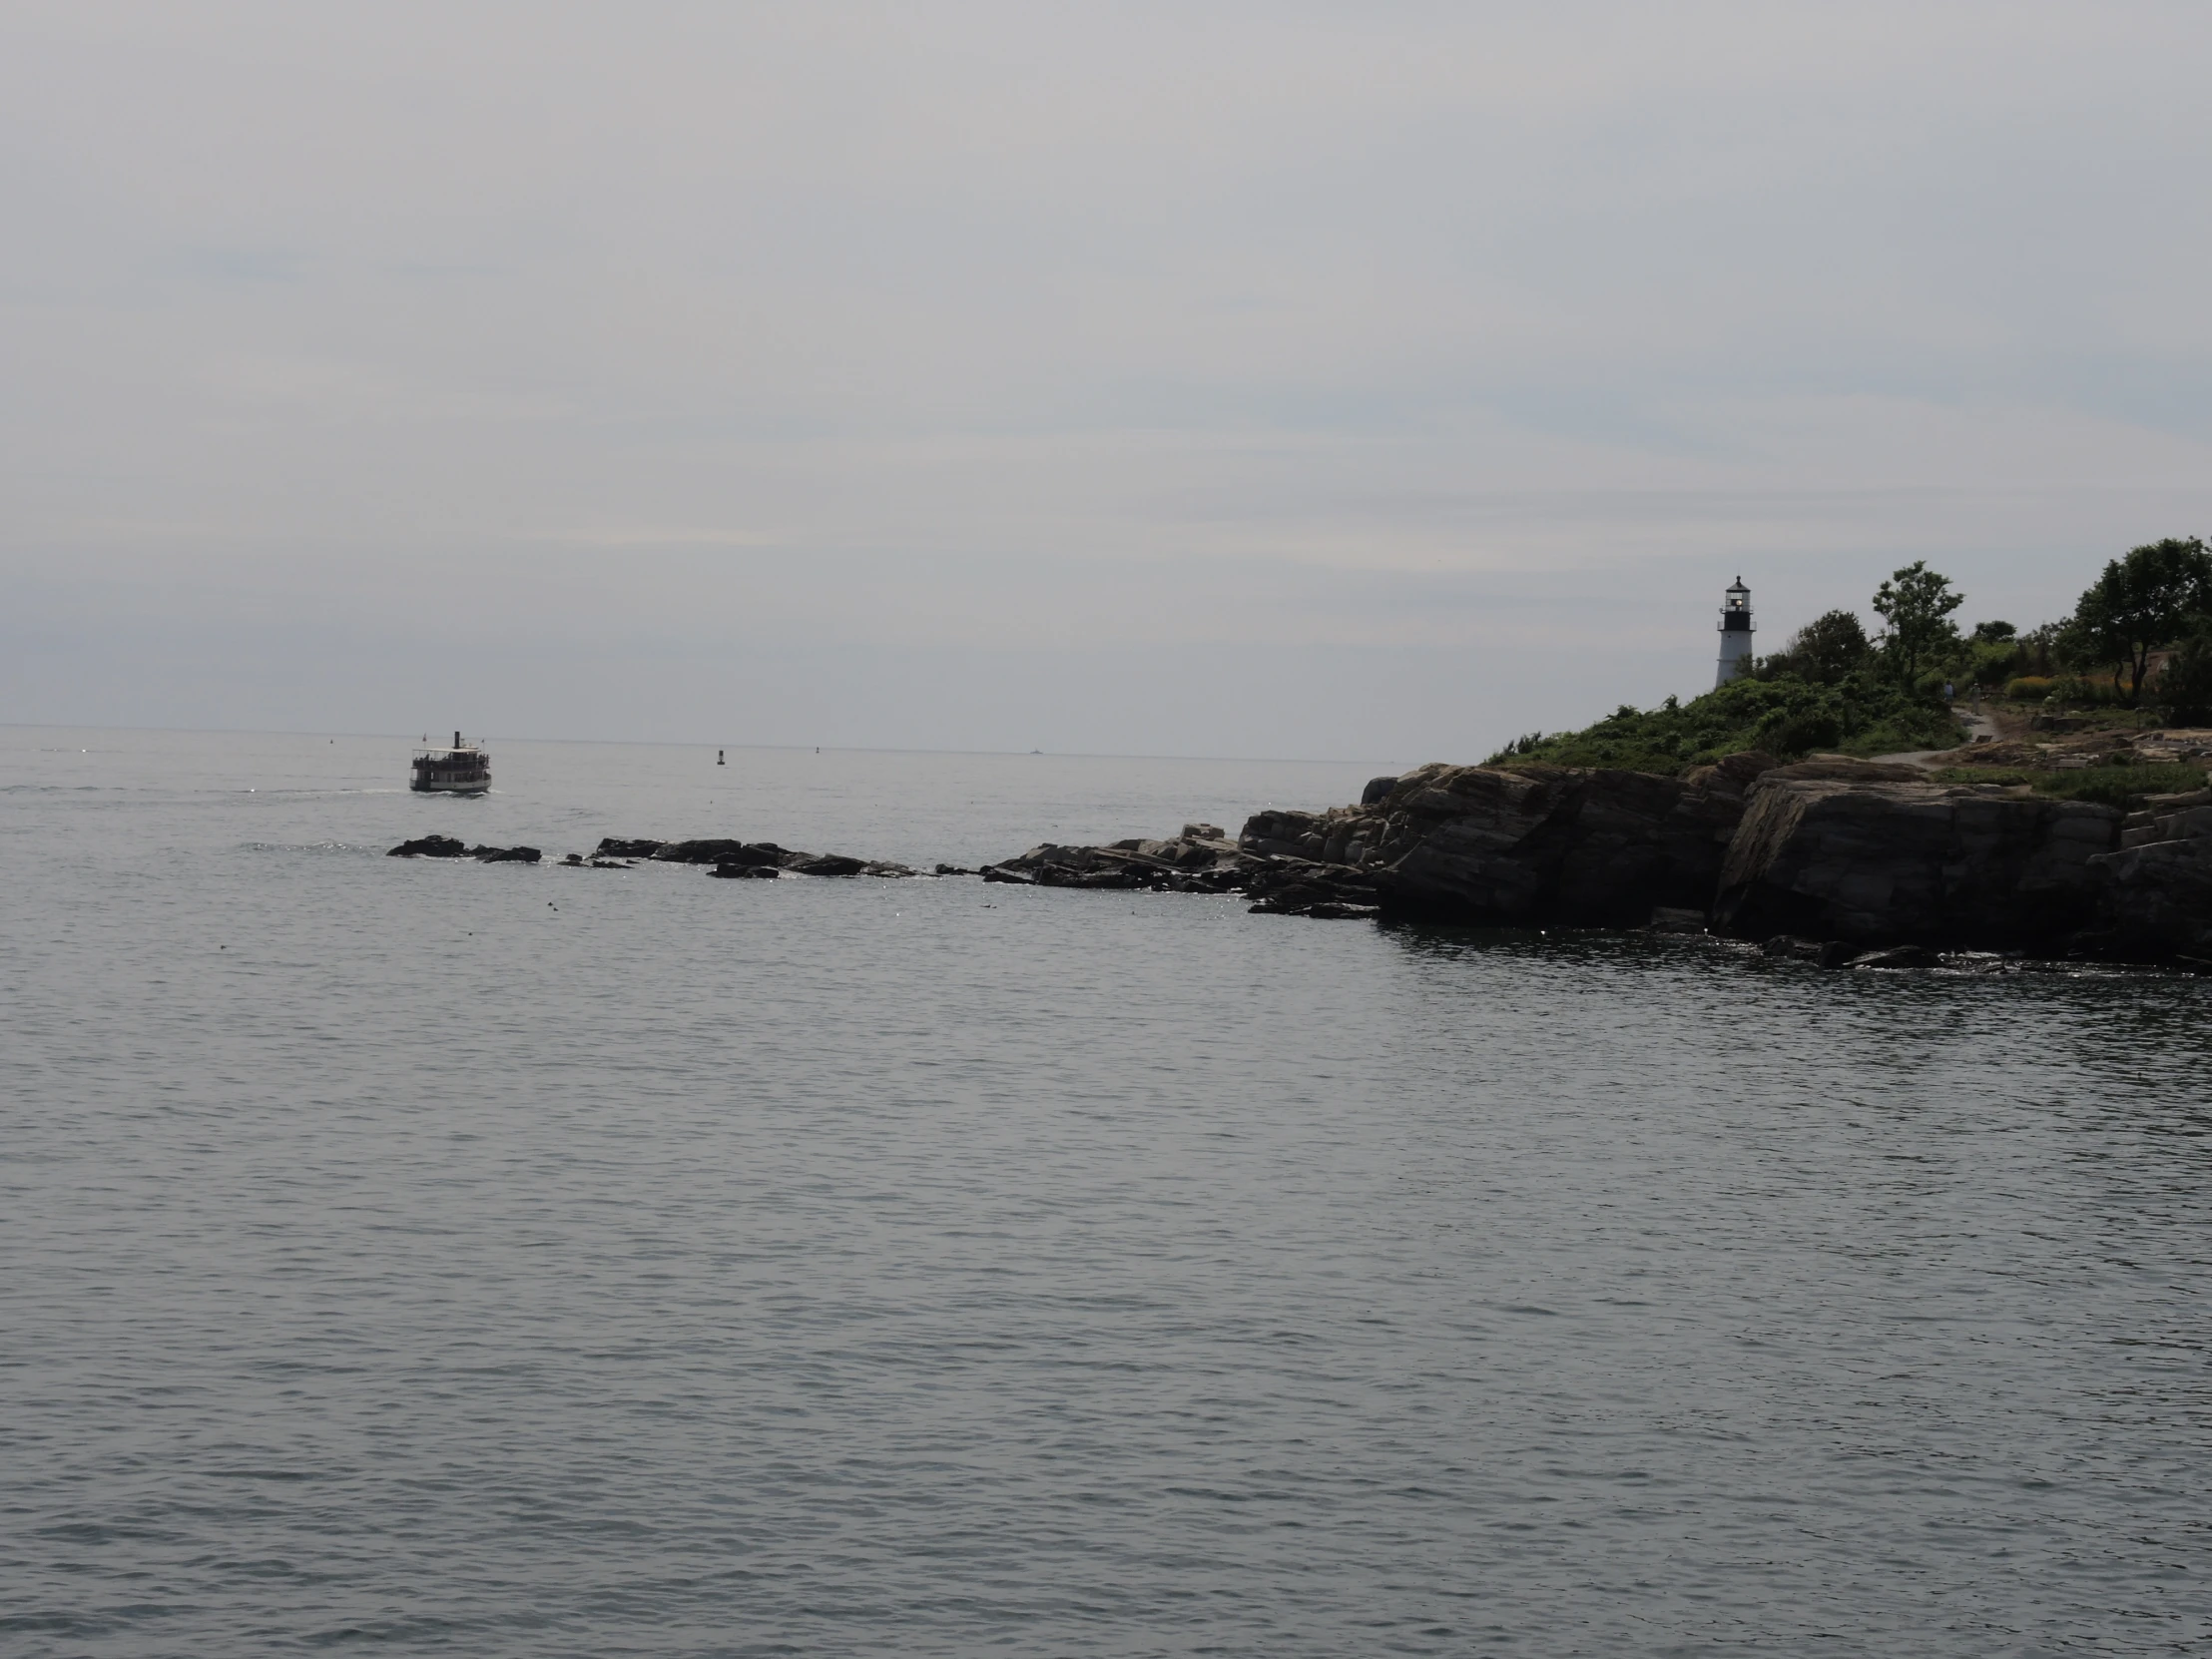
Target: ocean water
x: 422, y: 1258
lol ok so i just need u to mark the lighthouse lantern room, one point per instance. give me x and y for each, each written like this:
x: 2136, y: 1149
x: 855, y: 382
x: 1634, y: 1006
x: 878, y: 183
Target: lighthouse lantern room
x: 1736, y: 634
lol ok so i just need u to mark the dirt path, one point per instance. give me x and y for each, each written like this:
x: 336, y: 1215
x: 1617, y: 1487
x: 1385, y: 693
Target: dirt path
x: 1929, y: 760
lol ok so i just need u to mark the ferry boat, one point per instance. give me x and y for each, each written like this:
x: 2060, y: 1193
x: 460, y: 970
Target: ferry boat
x: 465, y: 769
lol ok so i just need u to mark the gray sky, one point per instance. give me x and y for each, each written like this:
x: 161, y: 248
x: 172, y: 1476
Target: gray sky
x: 1375, y: 381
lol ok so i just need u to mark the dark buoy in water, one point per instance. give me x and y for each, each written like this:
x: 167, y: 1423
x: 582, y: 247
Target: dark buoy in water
x: 718, y: 760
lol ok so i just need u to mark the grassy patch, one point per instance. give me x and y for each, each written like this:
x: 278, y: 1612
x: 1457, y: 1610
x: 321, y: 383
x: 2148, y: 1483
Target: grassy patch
x: 2121, y: 786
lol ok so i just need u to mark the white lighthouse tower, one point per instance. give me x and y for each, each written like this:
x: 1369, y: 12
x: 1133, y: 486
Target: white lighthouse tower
x: 1736, y: 633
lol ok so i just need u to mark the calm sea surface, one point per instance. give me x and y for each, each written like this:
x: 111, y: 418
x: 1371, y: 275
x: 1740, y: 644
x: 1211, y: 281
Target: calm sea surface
x: 413, y: 1258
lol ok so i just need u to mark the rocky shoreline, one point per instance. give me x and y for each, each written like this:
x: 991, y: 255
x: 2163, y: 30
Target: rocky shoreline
x: 1831, y: 860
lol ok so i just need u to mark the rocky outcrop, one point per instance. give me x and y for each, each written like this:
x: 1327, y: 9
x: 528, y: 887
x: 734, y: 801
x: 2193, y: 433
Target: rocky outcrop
x: 1529, y: 844
x: 1877, y: 856
x: 1329, y: 892
x: 1199, y: 859
x: 445, y: 846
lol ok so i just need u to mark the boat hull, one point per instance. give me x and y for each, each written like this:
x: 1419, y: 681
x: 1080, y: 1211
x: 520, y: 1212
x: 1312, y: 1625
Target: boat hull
x: 439, y: 786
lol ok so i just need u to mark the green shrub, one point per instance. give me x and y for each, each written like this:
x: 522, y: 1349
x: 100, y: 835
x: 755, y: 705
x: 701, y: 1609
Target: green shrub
x: 2072, y: 691
x: 2029, y: 688
x: 1786, y: 716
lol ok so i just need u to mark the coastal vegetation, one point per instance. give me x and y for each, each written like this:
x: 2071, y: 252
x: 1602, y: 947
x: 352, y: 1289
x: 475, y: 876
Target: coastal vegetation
x: 2122, y: 786
x: 2138, y: 648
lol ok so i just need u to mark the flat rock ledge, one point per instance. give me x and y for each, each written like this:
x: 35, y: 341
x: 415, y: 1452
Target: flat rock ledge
x: 730, y: 859
x: 743, y: 860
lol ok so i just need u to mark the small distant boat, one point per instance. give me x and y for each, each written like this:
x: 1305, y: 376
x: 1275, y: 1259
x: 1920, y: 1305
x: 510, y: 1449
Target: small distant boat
x: 465, y: 769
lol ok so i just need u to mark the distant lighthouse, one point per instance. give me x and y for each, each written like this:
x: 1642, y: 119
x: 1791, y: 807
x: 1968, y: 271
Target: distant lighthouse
x: 1735, y: 634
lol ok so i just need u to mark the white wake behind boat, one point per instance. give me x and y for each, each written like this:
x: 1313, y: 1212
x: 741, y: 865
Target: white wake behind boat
x: 464, y: 768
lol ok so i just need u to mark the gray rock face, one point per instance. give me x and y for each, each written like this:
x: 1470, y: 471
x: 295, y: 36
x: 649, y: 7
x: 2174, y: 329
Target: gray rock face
x: 1843, y: 850
x: 2155, y: 891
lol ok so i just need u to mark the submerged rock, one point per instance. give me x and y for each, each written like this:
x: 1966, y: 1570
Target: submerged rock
x: 825, y: 863
x: 1898, y: 956
x: 445, y: 846
x: 430, y: 847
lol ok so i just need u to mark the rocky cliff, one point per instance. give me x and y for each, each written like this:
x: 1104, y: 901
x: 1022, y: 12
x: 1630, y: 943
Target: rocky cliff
x: 1851, y: 853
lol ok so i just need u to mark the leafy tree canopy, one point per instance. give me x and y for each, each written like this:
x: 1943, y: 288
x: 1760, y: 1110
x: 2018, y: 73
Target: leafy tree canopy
x: 1917, y: 603
x: 2143, y: 601
x: 1829, y: 648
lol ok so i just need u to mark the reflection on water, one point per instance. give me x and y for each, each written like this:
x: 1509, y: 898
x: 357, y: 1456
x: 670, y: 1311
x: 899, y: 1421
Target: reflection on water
x: 520, y: 1261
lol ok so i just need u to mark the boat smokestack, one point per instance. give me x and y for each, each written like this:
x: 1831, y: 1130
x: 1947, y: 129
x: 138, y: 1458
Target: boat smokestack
x: 457, y: 740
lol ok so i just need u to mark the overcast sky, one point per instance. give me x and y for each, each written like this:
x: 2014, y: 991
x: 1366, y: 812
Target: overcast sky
x: 1372, y: 382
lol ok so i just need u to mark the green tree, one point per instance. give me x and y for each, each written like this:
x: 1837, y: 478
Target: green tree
x: 2037, y: 652
x: 2141, y: 602
x: 1829, y: 648
x: 1993, y: 652
x: 1915, y: 604
x: 2185, y: 686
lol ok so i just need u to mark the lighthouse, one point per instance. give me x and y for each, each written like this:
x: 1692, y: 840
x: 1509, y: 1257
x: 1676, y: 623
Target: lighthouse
x: 1735, y: 634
